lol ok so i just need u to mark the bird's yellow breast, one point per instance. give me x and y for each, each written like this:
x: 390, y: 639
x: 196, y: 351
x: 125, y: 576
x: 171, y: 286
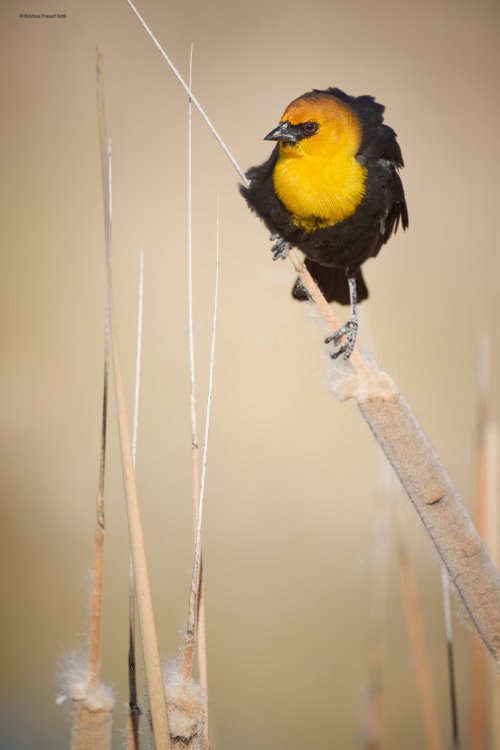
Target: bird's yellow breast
x: 318, y: 179
x: 319, y: 193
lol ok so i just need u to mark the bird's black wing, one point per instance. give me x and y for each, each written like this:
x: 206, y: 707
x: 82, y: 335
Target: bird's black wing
x: 379, y: 150
x: 261, y: 197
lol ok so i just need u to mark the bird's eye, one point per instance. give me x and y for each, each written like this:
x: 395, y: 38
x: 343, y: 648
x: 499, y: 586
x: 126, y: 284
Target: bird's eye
x: 310, y: 127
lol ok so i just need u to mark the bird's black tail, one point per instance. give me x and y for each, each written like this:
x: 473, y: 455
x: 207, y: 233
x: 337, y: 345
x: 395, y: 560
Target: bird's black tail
x: 332, y: 282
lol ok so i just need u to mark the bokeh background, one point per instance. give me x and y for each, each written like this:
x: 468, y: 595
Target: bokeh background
x: 293, y: 483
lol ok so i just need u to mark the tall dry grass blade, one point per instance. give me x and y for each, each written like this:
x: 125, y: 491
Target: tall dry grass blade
x: 492, y: 452
x: 144, y: 600
x: 378, y: 611
x: 202, y: 659
x: 478, y: 717
x: 152, y: 664
x: 414, y: 461
x: 445, y: 585
x: 91, y: 702
x: 195, y: 581
x: 188, y: 649
x: 418, y: 642
x: 195, y: 450
x: 98, y: 563
x: 188, y: 91
x: 134, y: 712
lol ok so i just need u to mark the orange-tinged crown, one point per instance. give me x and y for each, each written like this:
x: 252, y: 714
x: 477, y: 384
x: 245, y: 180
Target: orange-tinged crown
x: 337, y: 123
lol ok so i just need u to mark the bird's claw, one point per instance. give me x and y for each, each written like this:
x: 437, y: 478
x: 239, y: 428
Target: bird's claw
x: 280, y: 248
x: 349, y: 330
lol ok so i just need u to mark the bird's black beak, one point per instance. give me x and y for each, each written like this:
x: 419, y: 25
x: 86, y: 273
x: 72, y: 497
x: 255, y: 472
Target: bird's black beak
x: 285, y: 132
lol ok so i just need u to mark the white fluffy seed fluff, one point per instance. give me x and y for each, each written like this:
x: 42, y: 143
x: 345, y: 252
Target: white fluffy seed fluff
x: 185, y: 707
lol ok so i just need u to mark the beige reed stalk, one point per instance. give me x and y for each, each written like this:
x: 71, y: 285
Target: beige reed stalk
x: 199, y: 602
x: 379, y: 573
x: 133, y: 707
x: 407, y: 448
x: 492, y: 491
x: 479, y: 698
x: 92, y: 703
x: 152, y: 666
x: 418, y: 642
x: 190, y: 635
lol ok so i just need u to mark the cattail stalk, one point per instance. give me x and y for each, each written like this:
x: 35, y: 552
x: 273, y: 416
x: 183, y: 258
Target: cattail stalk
x: 492, y: 491
x: 98, y: 564
x: 195, y: 448
x: 152, y: 665
x: 134, y: 710
x: 91, y: 702
x: 195, y: 581
x: 424, y: 478
x: 378, y: 617
x: 418, y: 642
x: 478, y: 668
x: 154, y: 678
x: 445, y: 585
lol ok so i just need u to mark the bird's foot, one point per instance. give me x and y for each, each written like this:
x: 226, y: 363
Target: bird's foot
x: 280, y: 248
x: 349, y: 330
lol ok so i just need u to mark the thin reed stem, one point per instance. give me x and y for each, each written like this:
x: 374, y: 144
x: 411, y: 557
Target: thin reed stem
x: 188, y: 91
x: 195, y: 449
x: 188, y: 652
x: 98, y: 561
x: 492, y: 452
x: 195, y: 581
x: 378, y: 612
x: 445, y: 585
x: 418, y: 642
x: 152, y: 664
x: 478, y: 707
x: 92, y: 703
x: 134, y: 709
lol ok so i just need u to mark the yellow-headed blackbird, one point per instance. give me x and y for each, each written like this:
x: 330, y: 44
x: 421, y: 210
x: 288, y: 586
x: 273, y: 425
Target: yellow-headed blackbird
x: 331, y: 188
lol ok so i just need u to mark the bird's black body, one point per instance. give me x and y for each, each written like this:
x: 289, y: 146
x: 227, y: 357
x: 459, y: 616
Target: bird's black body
x: 347, y: 244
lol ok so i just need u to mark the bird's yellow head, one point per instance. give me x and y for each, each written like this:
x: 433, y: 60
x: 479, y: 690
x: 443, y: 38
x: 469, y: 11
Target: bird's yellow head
x: 317, y: 125
x: 317, y: 176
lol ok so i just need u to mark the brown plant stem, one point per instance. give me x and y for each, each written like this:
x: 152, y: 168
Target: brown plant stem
x: 478, y: 667
x: 98, y: 560
x: 199, y: 601
x: 378, y: 612
x: 97, y: 584
x: 375, y: 721
x: 90, y: 727
x: 418, y: 642
x: 152, y: 666
x: 492, y: 452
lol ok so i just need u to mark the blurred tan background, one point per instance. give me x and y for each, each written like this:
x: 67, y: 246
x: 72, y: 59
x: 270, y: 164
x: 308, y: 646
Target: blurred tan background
x: 291, y: 497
